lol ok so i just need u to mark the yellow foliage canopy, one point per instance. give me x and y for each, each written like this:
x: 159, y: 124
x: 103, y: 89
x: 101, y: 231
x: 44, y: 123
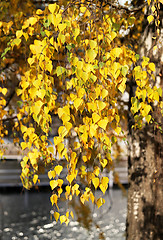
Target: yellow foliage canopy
x: 76, y: 68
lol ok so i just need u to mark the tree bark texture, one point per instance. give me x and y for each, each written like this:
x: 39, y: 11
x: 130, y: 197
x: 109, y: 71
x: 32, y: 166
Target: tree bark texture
x: 145, y: 211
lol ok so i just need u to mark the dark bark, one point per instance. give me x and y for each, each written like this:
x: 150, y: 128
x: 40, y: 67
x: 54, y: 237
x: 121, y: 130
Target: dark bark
x: 145, y: 212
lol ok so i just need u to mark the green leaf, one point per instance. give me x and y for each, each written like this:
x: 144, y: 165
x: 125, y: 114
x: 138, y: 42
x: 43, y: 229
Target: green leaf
x: 131, y: 20
x: 60, y: 70
x: 5, y: 51
x: 124, y: 70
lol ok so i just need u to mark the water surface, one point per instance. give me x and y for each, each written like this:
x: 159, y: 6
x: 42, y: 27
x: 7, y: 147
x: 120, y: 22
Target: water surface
x: 28, y: 216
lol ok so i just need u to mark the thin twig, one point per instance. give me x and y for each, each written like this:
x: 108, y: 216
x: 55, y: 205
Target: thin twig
x: 120, y: 7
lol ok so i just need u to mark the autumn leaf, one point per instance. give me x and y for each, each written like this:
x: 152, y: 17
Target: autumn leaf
x: 150, y: 18
x: 100, y: 202
x: 96, y: 182
x: 53, y: 184
x: 52, y: 7
x: 56, y: 216
x: 58, y: 169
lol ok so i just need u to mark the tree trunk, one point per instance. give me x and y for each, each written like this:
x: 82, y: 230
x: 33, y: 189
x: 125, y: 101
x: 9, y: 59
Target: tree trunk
x: 145, y: 164
x: 145, y: 211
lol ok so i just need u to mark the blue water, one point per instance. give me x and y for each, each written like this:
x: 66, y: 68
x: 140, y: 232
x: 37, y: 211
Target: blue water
x: 28, y: 216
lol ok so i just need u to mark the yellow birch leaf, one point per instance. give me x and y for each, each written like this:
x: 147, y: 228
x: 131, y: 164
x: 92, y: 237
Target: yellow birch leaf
x: 58, y: 169
x: 101, y: 105
x: 37, y: 83
x: 84, y: 137
x: 68, y: 189
x: 156, y: 96
x: 38, y: 105
x: 104, y: 181
x: 85, y: 76
x: 95, y: 117
x: 151, y: 66
x: 54, y: 199
x: 50, y: 174
x: 33, y: 92
x: 146, y: 110
x: 62, y: 131
x: 25, y: 36
x: 77, y: 103
x: 4, y: 91
x: 103, y: 189
x: 76, y: 145
x: 77, y: 192
x: 24, y: 145
x: 62, y: 26
x: 148, y: 118
x: 93, y: 129
x: 96, y: 170
x: 153, y: 8
x: 41, y: 93
x: 100, y: 202
x: 81, y: 92
x: 122, y: 85
x: 70, y: 178
x: 19, y: 91
x: 56, y: 46
x: 57, y: 140
x: 35, y: 178
x: 68, y: 126
x: 60, y: 112
x: 104, y: 93
x: 61, y: 38
x: 24, y: 84
x: 113, y: 35
x: 39, y: 12
x: 31, y: 61
x: 93, y: 44
x: 32, y: 20
x: 16, y: 42
x: 33, y: 160
x: 60, y: 190
x: 60, y: 147
x: 117, y: 130
x: 90, y: 55
x: 103, y: 123
x: 116, y: 52
x: 19, y: 33
x: 60, y: 182
x: 92, y: 197
x: 35, y: 49
x: 96, y: 182
x: 76, y: 33
x: 63, y: 218
x: 56, y: 216
x: 52, y: 7
x: 103, y: 162
x: 72, y: 215
x: 83, y: 9
x: 98, y: 91
x: 65, y: 118
x: 150, y: 18
x: 85, y: 159
x: 53, y: 184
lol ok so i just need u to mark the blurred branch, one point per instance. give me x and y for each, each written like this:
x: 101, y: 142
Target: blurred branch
x: 120, y: 7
